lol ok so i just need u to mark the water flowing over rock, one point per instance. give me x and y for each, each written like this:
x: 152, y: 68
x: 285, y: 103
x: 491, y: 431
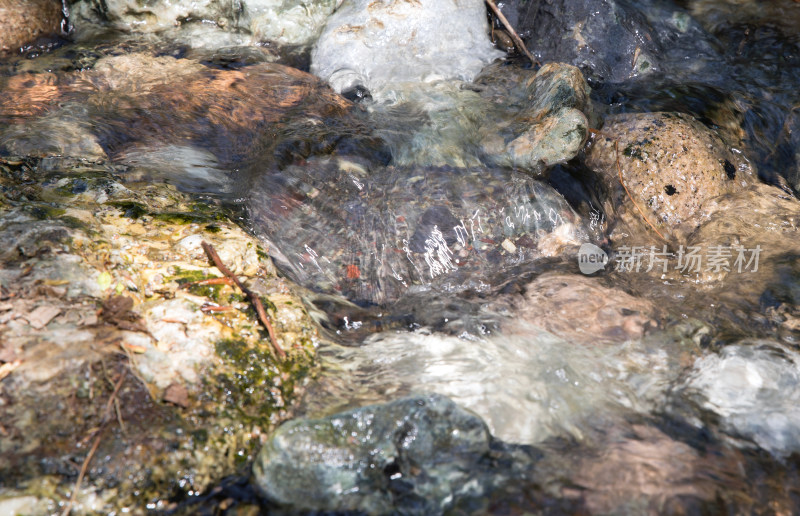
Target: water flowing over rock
x: 755, y: 388
x: 210, y: 22
x: 508, y: 116
x: 338, y: 228
x: 610, y: 40
x: 233, y: 114
x: 376, y: 45
x: 583, y: 311
x: 419, y: 455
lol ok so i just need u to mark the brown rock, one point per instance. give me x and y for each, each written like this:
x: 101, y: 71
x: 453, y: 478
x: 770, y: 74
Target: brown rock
x: 177, y: 395
x: 582, y: 310
x: 23, y: 22
x: 228, y: 111
x: 671, y: 164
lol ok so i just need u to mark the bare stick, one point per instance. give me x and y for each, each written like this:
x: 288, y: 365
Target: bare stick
x: 622, y: 181
x: 97, y: 435
x: 262, y: 314
x: 514, y: 36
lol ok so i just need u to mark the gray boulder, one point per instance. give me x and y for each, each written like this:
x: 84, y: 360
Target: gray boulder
x: 417, y: 455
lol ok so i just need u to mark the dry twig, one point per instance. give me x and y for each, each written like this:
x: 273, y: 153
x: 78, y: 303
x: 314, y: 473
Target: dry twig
x: 262, y: 314
x: 622, y: 181
x: 514, y: 36
x: 619, y: 171
x: 97, y: 434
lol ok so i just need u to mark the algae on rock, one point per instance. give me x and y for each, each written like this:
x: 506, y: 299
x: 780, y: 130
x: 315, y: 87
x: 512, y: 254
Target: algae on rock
x: 96, y: 284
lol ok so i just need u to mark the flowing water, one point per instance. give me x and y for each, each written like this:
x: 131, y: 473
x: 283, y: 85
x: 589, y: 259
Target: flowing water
x: 680, y: 396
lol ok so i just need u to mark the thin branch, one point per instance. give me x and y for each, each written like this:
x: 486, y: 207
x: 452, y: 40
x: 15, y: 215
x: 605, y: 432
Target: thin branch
x: 619, y: 170
x: 514, y: 36
x: 98, y: 434
x: 262, y: 314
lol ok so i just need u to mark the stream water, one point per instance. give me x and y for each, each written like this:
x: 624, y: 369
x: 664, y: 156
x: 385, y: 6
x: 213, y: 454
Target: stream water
x: 688, y: 402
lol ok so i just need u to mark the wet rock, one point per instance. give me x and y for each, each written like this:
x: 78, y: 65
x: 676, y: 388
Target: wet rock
x: 610, y: 41
x: 418, y: 455
x: 754, y: 386
x: 549, y: 128
x: 99, y: 278
x: 376, y: 45
x: 371, y: 236
x: 23, y: 22
x: 720, y: 16
x: 583, y: 311
x: 233, y: 114
x: 526, y: 383
x: 671, y: 165
x: 208, y: 22
x: 509, y: 117
x: 642, y: 470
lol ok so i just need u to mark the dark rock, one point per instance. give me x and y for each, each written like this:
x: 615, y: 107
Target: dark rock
x: 609, y: 40
x: 419, y: 455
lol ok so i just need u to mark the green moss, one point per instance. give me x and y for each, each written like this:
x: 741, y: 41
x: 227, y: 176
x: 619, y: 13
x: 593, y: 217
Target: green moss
x: 213, y: 292
x: 132, y: 210
x: 213, y: 228
x: 75, y: 223
x: 44, y: 212
x: 256, y: 384
x: 635, y: 151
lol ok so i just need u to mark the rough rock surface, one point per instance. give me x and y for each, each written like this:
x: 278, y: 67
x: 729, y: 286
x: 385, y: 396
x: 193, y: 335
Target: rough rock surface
x: 96, y: 288
x: 418, y: 455
x: 671, y: 164
x: 378, y: 44
x: 23, y: 22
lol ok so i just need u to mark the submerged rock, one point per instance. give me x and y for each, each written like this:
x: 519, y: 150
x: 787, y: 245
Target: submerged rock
x: 376, y: 45
x: 671, y: 165
x: 420, y: 455
x: 550, y: 126
x: 509, y: 116
x: 754, y: 386
x: 233, y: 114
x: 203, y: 23
x: 23, y: 22
x: 611, y: 41
x: 583, y: 311
x: 337, y: 228
x: 718, y: 16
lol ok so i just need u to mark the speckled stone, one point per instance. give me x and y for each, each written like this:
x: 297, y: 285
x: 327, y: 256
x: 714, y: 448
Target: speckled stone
x: 671, y: 164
